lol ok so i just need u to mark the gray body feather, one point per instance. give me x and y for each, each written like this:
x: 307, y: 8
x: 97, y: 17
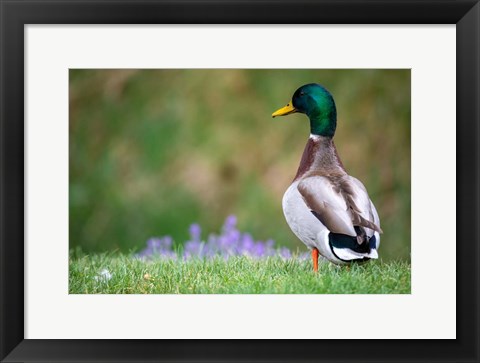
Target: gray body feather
x: 323, y: 198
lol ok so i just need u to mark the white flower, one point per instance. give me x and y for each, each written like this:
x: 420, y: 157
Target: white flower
x: 104, y: 276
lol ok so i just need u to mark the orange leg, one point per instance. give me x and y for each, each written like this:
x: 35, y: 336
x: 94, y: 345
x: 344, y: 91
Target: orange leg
x: 315, y: 259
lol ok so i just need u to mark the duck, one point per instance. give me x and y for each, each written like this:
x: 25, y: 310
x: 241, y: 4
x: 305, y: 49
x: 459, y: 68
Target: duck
x: 326, y: 208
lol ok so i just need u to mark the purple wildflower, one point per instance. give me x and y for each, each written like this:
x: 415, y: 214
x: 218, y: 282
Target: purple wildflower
x: 259, y: 249
x: 230, y: 242
x: 158, y: 247
x: 195, y: 232
x: 230, y: 223
x: 153, y: 243
x: 193, y: 249
x: 285, y: 253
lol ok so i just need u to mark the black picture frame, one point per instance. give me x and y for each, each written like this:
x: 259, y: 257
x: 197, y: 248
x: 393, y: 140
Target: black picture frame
x: 15, y: 14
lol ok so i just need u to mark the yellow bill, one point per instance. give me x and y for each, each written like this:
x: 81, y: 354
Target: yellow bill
x: 287, y: 110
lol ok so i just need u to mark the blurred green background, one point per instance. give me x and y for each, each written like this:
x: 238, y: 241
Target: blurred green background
x: 152, y: 151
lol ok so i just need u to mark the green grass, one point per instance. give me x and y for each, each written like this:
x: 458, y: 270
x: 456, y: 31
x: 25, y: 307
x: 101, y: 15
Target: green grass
x: 238, y: 275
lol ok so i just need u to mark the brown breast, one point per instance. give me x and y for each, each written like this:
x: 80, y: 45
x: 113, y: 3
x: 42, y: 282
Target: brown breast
x: 319, y: 157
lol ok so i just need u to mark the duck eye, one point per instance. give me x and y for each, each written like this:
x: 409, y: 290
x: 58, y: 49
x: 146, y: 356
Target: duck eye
x: 302, y: 93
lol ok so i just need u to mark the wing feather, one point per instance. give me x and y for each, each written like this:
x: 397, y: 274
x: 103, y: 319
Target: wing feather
x: 341, y: 204
x: 328, y: 205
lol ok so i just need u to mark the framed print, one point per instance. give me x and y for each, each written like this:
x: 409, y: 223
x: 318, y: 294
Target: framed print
x: 153, y: 210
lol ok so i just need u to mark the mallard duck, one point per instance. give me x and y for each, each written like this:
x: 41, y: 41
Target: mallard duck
x: 327, y: 209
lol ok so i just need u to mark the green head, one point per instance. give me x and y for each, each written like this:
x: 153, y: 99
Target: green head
x: 317, y: 103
